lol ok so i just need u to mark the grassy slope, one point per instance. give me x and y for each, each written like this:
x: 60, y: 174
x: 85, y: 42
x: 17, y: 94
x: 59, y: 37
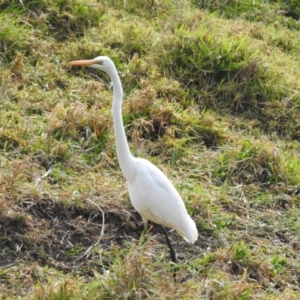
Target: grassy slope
x: 211, y: 96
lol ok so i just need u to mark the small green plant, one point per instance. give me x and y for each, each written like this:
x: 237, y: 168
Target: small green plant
x: 241, y: 251
x: 76, y: 250
x: 279, y: 263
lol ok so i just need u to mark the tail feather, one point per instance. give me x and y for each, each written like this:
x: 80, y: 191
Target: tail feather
x: 191, y: 232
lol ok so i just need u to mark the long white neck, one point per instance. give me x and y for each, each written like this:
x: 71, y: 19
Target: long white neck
x: 125, y: 158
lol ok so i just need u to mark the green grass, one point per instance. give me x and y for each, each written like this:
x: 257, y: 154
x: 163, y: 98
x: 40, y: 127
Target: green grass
x: 212, y: 97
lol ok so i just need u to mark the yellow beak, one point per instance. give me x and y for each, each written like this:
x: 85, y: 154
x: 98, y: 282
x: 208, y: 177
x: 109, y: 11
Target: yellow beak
x: 87, y: 62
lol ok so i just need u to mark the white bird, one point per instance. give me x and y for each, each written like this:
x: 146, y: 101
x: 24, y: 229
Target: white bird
x: 150, y: 191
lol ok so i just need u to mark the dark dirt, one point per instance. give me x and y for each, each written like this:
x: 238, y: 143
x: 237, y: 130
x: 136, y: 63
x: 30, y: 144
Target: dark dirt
x: 50, y: 233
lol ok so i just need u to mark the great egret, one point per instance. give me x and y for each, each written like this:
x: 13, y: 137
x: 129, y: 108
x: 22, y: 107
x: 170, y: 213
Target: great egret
x: 151, y: 193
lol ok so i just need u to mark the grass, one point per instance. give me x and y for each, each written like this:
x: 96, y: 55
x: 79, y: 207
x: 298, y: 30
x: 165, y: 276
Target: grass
x: 211, y: 97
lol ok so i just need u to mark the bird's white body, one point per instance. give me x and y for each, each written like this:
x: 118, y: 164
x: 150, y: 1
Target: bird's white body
x: 155, y: 198
x: 151, y: 193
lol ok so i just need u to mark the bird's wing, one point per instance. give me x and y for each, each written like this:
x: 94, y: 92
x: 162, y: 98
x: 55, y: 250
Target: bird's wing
x: 156, y: 199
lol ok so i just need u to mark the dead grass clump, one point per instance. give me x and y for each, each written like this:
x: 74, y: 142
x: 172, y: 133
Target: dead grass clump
x: 19, y: 176
x: 217, y: 286
x: 149, y: 130
x: 240, y: 260
x: 139, y: 102
x: 257, y: 162
x: 9, y: 141
x: 76, y: 121
x: 170, y: 121
x: 172, y: 91
x: 141, y: 275
x: 90, y: 92
x: 129, y: 276
x: 19, y: 221
x: 56, y: 289
x: 18, y: 281
x: 201, y: 126
x: 139, y: 111
x: 140, y: 72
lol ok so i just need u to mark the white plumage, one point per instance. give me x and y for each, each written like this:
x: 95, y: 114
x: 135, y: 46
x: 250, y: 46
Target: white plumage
x: 155, y: 198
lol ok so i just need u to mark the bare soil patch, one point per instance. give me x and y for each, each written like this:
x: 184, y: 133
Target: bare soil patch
x: 50, y: 233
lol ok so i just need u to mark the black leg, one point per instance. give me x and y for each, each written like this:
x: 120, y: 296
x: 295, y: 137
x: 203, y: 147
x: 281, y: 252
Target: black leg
x: 172, y: 252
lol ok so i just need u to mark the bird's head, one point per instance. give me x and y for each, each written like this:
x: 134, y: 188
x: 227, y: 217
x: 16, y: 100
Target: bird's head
x: 103, y: 63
